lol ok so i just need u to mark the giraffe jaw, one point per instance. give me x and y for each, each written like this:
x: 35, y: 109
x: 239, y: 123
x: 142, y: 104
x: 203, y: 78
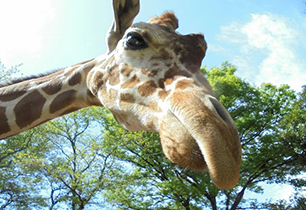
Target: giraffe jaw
x: 198, y: 133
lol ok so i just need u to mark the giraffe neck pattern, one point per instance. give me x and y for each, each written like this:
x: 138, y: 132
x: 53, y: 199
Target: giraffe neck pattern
x: 31, y: 102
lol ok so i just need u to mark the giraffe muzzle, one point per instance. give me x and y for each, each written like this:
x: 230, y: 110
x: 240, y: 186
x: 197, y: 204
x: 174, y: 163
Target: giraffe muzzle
x: 198, y: 133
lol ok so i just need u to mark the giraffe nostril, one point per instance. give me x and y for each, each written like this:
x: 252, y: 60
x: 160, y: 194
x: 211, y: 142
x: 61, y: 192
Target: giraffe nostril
x: 221, y: 111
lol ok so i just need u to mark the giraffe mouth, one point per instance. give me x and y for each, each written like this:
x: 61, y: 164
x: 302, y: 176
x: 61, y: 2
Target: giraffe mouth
x: 199, y: 134
x: 179, y: 146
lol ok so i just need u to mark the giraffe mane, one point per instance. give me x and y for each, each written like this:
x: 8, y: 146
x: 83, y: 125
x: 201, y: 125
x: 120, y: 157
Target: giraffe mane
x: 22, y: 79
x: 25, y: 78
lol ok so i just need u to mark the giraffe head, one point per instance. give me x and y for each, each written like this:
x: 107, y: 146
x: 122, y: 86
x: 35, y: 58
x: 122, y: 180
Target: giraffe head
x: 150, y: 80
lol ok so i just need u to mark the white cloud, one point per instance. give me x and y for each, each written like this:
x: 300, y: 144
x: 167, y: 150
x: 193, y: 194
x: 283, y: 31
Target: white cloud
x: 215, y: 48
x: 268, y: 50
x: 283, y: 192
x: 22, y: 23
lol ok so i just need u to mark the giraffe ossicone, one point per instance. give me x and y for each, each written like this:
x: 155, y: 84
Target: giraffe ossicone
x: 150, y: 80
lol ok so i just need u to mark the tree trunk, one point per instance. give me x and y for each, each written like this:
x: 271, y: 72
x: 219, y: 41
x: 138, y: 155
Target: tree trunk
x: 238, y: 199
x: 212, y: 200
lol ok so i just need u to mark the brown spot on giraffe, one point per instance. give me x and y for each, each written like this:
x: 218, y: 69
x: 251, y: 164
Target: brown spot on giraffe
x: 127, y: 97
x: 161, y: 84
x: 175, y: 71
x: 150, y: 73
x: 183, y: 84
x: 171, y: 75
x: 12, y: 94
x: 52, y: 88
x: 147, y: 88
x: 149, y: 107
x: 154, y: 106
x: 132, y: 82
x: 114, y: 75
x: 63, y: 100
x: 3, y: 121
x: 153, y: 72
x: 95, y: 79
x: 162, y: 94
x: 164, y: 82
x: 75, y: 79
x: 144, y: 71
x: 28, y: 110
x: 126, y: 70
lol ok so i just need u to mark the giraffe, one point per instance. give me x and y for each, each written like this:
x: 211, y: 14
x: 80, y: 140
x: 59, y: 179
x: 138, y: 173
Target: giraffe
x: 149, y: 79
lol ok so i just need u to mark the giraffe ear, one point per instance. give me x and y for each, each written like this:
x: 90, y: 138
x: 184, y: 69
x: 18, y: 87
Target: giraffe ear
x: 124, y: 13
x: 168, y: 19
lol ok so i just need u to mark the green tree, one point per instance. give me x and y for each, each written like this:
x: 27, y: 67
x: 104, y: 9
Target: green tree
x: 17, y: 190
x: 294, y: 134
x: 74, y: 171
x: 151, y: 182
x: 293, y: 137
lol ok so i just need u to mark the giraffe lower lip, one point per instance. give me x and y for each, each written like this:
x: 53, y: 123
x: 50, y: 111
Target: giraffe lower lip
x: 179, y: 146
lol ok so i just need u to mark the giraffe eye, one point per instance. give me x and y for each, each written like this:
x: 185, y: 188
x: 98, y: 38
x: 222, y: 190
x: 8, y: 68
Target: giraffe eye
x: 134, y: 41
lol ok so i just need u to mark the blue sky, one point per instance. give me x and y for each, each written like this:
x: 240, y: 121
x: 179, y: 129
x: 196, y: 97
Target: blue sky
x: 265, y: 39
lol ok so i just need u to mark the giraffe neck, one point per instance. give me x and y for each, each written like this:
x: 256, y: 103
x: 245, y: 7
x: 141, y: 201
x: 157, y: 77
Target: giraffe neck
x: 31, y: 102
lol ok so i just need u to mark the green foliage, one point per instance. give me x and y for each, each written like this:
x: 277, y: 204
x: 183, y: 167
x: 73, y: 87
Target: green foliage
x: 6, y: 74
x: 259, y: 113
x: 63, y: 167
x: 76, y: 168
x: 294, y: 134
x: 17, y: 187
